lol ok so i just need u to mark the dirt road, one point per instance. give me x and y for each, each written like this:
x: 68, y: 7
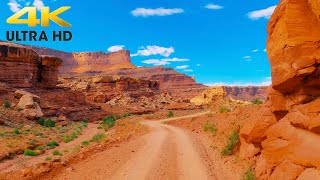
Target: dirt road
x: 167, y: 152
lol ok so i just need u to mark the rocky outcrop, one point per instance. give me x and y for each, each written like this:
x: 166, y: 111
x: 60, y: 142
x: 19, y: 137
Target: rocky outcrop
x: 288, y: 130
x: 22, y: 67
x: 29, y: 104
x: 89, y: 62
x: 212, y: 94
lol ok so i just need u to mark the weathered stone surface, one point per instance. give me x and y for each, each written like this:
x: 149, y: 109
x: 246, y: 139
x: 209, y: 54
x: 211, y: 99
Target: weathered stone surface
x: 30, y: 107
x: 291, y: 143
x: 22, y: 67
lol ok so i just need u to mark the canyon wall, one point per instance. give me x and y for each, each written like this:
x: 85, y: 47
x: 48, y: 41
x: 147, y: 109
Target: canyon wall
x: 285, y: 137
x: 212, y: 94
x: 22, y: 67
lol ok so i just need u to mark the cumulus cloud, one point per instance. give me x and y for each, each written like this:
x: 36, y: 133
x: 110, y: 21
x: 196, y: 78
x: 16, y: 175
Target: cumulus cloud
x: 143, y: 12
x: 175, y: 59
x: 164, y: 61
x: 263, y: 13
x: 115, y: 48
x: 182, y: 67
x: 38, y: 4
x: 154, y: 50
x: 14, y: 6
x: 256, y: 50
x: 156, y: 62
x: 213, y: 6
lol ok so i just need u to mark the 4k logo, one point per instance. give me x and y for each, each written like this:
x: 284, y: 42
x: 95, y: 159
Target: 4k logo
x: 46, y: 16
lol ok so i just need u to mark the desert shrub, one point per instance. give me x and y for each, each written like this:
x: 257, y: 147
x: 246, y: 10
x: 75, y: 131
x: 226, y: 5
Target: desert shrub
x: 6, y: 104
x: 224, y: 109
x: 249, y: 174
x: 232, y: 142
x: 170, y: 114
x: 56, y: 153
x: 68, y: 139
x: 118, y: 117
x: 208, y: 127
x: 109, y: 121
x: 40, y: 148
x: 19, y: 109
x: 16, y: 131
x: 98, y: 137
x: 52, y: 144
x: 257, y: 101
x: 48, y: 158
x: 85, y: 143
x: 84, y: 123
x: 29, y: 152
x: 41, y: 121
x: 49, y: 123
x: 127, y: 115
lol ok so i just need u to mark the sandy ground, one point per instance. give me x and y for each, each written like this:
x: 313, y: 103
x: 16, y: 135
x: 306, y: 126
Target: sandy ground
x: 166, y: 152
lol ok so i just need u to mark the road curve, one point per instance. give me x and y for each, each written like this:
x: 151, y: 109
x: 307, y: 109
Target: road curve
x: 166, y: 152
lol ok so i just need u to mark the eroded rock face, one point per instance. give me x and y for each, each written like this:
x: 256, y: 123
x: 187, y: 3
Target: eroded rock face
x: 291, y: 140
x: 248, y: 93
x: 23, y: 68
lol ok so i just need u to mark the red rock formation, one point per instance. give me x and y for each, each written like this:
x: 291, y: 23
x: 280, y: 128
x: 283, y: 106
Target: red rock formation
x: 288, y: 129
x: 22, y: 67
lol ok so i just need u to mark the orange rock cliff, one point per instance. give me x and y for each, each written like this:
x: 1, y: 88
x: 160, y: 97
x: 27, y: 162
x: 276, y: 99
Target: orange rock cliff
x: 285, y: 138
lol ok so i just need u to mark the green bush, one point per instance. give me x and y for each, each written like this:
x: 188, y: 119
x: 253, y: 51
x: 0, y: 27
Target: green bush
x: 98, y: 137
x: 232, y: 142
x: 16, y: 131
x: 29, y: 152
x: 56, y: 153
x: 127, y: 115
x: 109, y: 121
x: 48, y: 158
x: 249, y: 174
x: 85, y: 143
x: 41, y: 121
x: 210, y: 127
x: 68, y: 139
x: 40, y: 148
x: 257, y: 101
x: 170, y: 114
x: 6, y: 104
x: 52, y: 144
x: 224, y: 109
x: 49, y: 123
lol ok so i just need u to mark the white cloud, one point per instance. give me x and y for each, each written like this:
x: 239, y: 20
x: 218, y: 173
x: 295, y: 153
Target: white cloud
x: 198, y: 65
x: 263, y: 13
x: 188, y: 70
x: 246, y: 57
x: 156, y: 12
x: 115, y: 48
x: 265, y: 50
x: 175, y: 60
x: 182, y: 67
x: 213, y: 6
x: 164, y: 61
x: 256, y: 50
x: 14, y: 6
x: 154, y: 50
x: 156, y: 62
x: 38, y: 4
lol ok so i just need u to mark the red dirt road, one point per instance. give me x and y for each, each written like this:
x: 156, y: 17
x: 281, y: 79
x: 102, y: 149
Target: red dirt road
x: 166, y: 152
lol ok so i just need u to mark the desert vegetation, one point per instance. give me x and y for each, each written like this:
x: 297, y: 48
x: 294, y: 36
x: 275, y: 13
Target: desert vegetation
x: 232, y: 142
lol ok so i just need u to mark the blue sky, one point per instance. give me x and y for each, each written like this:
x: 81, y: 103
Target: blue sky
x: 217, y: 41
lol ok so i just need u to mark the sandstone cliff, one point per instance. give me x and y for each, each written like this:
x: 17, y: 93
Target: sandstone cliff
x: 212, y: 94
x: 285, y: 138
x: 23, y: 67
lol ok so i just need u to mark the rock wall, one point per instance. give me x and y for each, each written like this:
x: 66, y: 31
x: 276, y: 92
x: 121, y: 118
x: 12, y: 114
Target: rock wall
x: 285, y: 138
x: 238, y: 93
x: 22, y: 67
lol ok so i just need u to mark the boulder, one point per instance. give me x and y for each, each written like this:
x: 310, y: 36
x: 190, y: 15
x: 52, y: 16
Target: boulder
x: 30, y: 107
x: 310, y: 173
